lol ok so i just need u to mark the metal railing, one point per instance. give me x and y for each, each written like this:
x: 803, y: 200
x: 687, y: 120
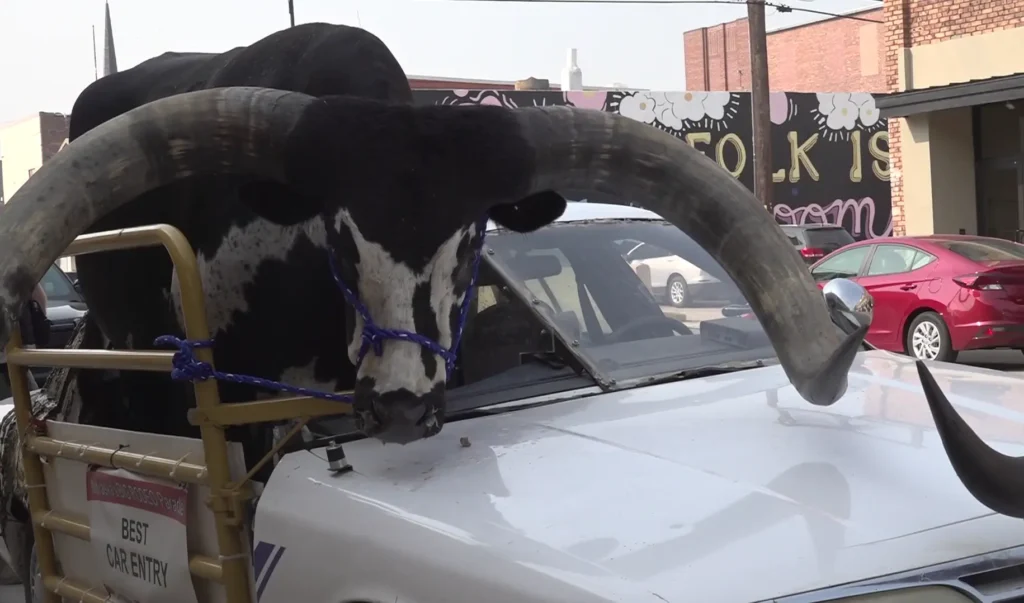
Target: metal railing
x: 227, y: 498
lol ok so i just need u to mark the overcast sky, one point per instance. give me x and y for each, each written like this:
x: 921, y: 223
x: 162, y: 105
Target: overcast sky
x: 46, y: 52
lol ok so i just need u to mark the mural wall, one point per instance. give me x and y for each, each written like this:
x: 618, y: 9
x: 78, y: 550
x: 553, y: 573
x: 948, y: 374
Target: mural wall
x: 830, y: 151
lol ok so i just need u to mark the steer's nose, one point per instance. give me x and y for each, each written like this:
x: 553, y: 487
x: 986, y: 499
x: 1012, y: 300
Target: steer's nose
x: 398, y: 416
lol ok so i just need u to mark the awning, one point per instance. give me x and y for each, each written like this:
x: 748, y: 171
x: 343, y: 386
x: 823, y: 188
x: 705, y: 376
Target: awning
x: 953, y: 96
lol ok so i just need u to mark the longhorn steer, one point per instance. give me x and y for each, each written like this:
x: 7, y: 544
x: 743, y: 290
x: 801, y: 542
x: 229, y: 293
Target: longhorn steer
x: 269, y: 185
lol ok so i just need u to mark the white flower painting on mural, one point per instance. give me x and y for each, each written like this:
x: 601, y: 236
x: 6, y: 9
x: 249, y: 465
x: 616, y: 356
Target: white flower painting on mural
x: 672, y: 109
x: 715, y: 103
x: 639, y: 106
x: 839, y: 112
x: 663, y: 111
x: 867, y: 113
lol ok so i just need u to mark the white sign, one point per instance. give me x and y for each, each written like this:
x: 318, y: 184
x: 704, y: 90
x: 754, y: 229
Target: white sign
x: 138, y: 533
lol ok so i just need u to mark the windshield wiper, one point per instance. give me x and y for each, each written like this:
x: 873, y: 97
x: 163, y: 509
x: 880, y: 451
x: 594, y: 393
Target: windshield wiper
x: 550, y: 359
x: 709, y: 371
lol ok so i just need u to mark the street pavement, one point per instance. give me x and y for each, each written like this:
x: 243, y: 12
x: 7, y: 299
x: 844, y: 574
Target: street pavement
x: 1004, y: 360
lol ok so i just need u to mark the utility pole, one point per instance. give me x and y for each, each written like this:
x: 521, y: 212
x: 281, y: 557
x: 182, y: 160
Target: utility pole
x: 760, y: 112
x: 291, y: 12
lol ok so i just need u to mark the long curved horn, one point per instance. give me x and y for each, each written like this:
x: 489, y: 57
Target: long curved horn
x: 607, y: 153
x: 241, y: 131
x: 996, y: 480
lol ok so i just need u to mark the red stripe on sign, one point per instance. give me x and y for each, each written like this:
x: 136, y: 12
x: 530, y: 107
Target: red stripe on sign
x: 165, y: 500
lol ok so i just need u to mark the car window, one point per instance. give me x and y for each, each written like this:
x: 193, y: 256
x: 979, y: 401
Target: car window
x: 842, y: 265
x: 647, y: 251
x: 794, y: 234
x: 828, y: 237
x: 893, y: 259
x: 921, y: 260
x: 560, y: 292
x: 57, y: 287
x: 984, y: 250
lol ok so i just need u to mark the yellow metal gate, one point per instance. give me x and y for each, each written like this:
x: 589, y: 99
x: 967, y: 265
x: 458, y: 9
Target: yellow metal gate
x: 227, y: 498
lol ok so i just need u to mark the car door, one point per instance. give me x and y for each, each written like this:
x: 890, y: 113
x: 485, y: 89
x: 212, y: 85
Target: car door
x: 896, y: 276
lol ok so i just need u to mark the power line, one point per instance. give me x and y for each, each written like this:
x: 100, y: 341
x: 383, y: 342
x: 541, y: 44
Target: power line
x: 782, y: 8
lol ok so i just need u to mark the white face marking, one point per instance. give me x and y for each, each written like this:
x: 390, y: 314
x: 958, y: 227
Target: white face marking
x: 386, y: 288
x: 233, y: 265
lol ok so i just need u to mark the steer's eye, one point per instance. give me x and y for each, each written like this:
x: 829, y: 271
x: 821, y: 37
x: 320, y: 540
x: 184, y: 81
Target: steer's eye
x: 465, y: 270
x: 347, y: 270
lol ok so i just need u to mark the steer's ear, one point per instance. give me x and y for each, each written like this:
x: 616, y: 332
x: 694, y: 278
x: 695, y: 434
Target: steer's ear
x: 531, y: 213
x: 278, y: 203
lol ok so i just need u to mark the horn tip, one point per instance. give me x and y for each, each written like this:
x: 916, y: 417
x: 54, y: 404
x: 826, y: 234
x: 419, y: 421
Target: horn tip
x: 828, y: 384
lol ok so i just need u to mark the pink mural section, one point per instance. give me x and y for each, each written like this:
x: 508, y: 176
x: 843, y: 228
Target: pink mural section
x: 830, y: 151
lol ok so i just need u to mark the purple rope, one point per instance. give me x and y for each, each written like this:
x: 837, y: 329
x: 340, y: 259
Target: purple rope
x: 186, y: 367
x: 189, y: 368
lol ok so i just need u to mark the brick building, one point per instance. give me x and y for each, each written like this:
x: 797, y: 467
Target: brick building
x: 956, y: 115
x: 26, y: 143
x: 834, y: 55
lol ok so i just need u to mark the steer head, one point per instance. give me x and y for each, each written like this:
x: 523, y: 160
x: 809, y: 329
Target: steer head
x: 400, y: 190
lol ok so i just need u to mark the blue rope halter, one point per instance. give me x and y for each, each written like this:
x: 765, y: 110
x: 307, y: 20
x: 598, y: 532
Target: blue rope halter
x: 186, y: 367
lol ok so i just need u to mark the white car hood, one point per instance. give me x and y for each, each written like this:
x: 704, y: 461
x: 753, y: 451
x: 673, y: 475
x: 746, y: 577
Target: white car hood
x: 729, y: 488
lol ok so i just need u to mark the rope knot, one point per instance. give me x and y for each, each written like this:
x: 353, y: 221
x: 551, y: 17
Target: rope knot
x: 186, y: 366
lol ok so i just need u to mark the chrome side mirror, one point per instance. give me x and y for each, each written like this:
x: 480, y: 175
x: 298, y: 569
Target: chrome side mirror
x: 849, y: 304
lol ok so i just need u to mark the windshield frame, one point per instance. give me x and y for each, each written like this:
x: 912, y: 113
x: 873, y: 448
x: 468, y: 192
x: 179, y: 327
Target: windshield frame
x: 603, y: 378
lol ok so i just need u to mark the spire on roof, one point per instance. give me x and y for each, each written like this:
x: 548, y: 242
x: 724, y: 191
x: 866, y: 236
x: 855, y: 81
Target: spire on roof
x: 109, y: 57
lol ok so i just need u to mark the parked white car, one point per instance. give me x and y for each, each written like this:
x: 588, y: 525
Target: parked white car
x: 596, y: 450
x: 672, y: 279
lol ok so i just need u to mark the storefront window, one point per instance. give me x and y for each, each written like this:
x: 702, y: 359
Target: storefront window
x: 1000, y: 129
x: 1000, y: 169
x: 999, y: 200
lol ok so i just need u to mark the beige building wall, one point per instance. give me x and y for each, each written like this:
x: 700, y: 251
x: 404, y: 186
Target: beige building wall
x: 21, y: 149
x: 938, y: 173
x: 938, y: 148
x: 933, y: 43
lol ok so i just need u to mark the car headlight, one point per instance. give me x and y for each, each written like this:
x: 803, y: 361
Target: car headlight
x: 913, y: 594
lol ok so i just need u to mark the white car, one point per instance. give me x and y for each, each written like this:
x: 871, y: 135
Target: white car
x: 629, y: 459
x: 671, y: 278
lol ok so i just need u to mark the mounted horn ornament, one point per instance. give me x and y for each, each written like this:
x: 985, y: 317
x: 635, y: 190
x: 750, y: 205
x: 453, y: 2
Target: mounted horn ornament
x: 994, y: 479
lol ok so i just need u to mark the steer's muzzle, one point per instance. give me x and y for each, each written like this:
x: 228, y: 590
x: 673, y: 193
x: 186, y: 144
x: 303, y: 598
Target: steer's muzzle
x: 398, y: 416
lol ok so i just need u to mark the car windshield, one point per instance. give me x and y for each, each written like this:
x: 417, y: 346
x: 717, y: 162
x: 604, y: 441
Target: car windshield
x: 828, y: 237
x: 588, y: 305
x: 983, y: 250
x: 606, y: 287
x: 58, y: 288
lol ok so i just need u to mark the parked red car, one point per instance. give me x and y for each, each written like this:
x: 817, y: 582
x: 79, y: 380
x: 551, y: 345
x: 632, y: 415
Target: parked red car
x: 936, y: 295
